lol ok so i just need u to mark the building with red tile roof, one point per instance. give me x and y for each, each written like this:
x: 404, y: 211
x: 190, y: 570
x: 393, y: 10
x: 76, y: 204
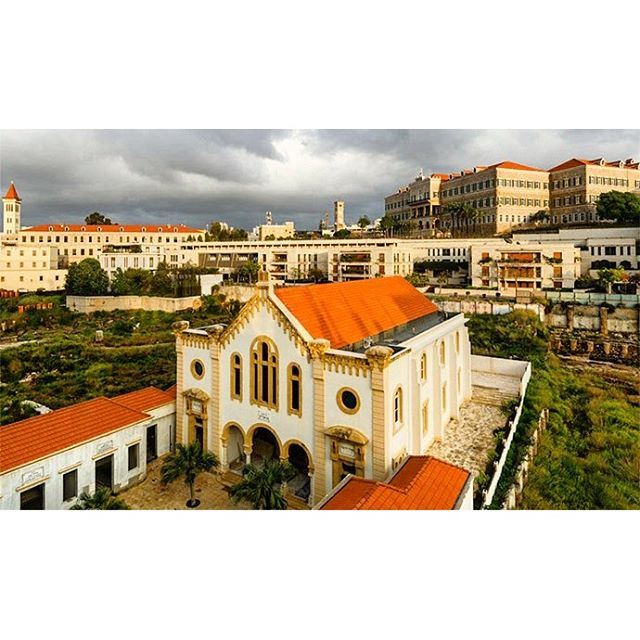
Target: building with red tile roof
x: 35, y: 438
x: 420, y: 483
x: 12, y: 193
x: 339, y: 378
x: 45, y: 461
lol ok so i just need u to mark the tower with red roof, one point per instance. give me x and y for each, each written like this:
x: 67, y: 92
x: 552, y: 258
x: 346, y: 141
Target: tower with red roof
x: 11, y: 205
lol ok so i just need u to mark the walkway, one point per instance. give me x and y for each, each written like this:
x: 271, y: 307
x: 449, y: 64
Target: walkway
x: 150, y: 494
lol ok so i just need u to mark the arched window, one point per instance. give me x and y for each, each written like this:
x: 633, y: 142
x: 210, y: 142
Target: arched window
x: 264, y: 373
x: 457, y: 342
x: 294, y: 389
x: 397, y: 408
x: 423, y: 367
x: 236, y: 376
x: 444, y: 397
x: 443, y: 353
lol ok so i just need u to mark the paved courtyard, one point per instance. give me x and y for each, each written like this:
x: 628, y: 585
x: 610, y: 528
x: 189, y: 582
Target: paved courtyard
x: 470, y: 438
x: 151, y: 494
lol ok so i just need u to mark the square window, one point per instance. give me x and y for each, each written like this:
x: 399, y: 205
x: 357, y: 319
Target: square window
x: 70, y: 485
x: 133, y: 455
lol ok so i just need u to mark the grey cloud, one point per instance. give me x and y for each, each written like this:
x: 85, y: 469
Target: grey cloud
x: 194, y: 176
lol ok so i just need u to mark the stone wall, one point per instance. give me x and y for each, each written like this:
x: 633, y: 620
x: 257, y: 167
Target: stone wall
x: 594, y: 318
x: 602, y: 348
x: 491, y: 307
x: 91, y: 304
x: 514, y: 495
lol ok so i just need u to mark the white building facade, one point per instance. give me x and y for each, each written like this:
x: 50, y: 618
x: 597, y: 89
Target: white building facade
x: 355, y: 395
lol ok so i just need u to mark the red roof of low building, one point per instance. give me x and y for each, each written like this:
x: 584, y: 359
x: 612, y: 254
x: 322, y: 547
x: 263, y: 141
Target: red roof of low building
x: 145, y: 399
x: 115, y: 228
x: 12, y: 193
x: 41, y: 436
x: 442, y: 176
x: 346, y: 312
x: 421, y: 483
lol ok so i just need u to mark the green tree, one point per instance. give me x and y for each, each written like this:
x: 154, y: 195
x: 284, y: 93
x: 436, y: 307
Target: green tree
x: 249, y: 271
x: 188, y: 462
x: 102, y: 499
x: 387, y: 224
x: 161, y: 283
x: 86, y: 278
x: 131, y: 282
x: 97, y: 218
x: 262, y: 486
x: 606, y: 277
x: 316, y: 274
x: 341, y: 234
x: 619, y: 207
x: 364, y: 222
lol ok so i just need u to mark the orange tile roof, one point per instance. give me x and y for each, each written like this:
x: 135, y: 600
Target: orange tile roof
x: 347, y: 312
x: 39, y: 437
x: 145, y: 399
x: 173, y: 390
x: 442, y: 176
x: 12, y: 193
x: 115, y: 228
x: 507, y: 164
x: 422, y: 482
x: 569, y: 164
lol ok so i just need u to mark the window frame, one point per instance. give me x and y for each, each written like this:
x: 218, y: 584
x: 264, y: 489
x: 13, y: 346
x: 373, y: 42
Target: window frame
x: 291, y: 378
x: 235, y: 371
x: 72, y: 472
x: 130, y: 449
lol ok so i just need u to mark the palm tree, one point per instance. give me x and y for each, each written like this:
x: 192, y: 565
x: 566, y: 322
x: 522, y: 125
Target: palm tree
x: 262, y: 486
x: 102, y: 499
x: 188, y: 461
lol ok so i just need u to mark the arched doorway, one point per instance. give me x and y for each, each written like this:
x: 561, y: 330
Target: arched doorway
x: 235, y: 449
x: 300, y: 484
x: 264, y: 446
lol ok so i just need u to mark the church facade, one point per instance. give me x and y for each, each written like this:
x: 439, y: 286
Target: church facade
x: 338, y: 379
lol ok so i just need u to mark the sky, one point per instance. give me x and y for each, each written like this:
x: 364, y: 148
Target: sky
x: 197, y: 176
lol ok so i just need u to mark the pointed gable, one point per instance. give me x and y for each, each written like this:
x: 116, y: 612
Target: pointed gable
x: 347, y: 312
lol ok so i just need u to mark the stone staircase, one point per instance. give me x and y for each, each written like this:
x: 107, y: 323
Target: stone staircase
x: 492, y: 396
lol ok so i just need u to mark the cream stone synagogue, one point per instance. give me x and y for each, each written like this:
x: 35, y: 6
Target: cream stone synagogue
x: 343, y: 379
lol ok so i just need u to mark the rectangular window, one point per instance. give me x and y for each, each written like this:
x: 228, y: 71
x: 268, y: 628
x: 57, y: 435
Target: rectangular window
x: 70, y: 485
x: 133, y: 455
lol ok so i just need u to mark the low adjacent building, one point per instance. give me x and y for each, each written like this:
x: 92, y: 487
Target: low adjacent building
x: 419, y: 483
x: 48, y: 460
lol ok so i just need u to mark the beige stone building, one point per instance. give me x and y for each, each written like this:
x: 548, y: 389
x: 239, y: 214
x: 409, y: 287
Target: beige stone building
x: 506, y: 195
x: 30, y: 267
x: 576, y: 185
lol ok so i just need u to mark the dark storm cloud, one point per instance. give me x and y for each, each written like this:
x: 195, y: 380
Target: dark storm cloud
x: 194, y: 176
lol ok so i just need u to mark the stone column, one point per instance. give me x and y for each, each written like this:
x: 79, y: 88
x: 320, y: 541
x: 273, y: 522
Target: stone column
x: 379, y: 358
x: 178, y: 328
x: 604, y: 321
x: 317, y: 350
x: 215, y: 428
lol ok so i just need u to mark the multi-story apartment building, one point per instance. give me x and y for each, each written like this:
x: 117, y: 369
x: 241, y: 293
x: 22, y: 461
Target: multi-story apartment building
x: 512, y: 267
x: 29, y: 267
x: 576, y: 185
x: 599, y: 247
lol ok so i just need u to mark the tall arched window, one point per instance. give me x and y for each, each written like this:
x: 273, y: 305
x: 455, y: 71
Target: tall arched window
x: 264, y: 373
x: 236, y: 376
x: 294, y: 389
x: 443, y: 353
x: 457, y: 342
x: 397, y: 408
x: 423, y: 367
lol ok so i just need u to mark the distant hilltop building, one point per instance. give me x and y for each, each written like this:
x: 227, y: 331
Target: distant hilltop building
x: 508, y: 194
x: 272, y: 231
